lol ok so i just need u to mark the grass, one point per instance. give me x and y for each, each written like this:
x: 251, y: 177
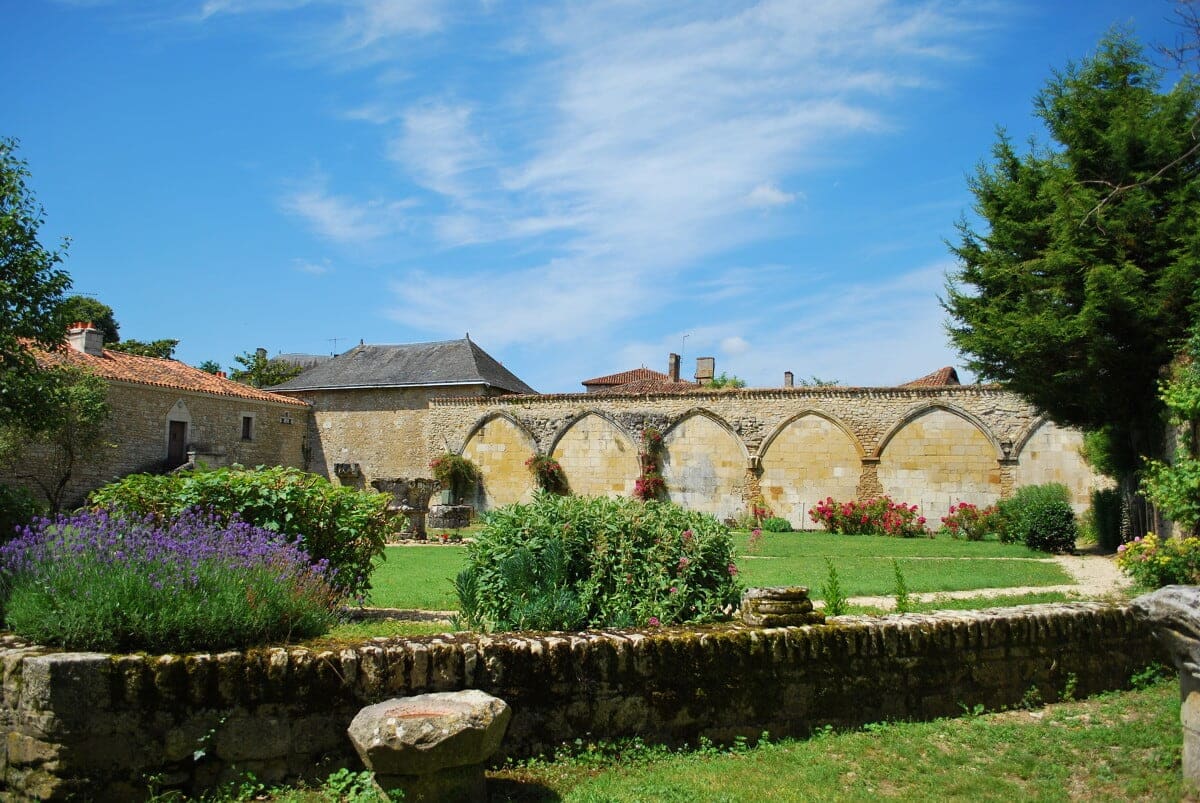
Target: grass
x: 422, y: 577
x: 418, y: 577
x: 1120, y: 746
x: 864, y: 563
x: 1123, y: 746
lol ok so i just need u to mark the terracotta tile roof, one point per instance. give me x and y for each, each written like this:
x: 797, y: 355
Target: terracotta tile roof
x: 642, y: 374
x: 647, y: 386
x: 173, y: 374
x: 939, y: 378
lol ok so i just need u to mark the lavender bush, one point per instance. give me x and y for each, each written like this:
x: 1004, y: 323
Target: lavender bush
x: 199, y: 582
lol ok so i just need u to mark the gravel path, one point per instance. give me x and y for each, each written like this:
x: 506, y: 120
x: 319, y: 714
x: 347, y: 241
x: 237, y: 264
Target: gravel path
x: 1096, y: 577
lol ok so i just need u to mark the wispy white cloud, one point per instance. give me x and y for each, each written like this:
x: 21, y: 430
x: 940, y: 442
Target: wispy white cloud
x: 546, y: 305
x: 635, y: 144
x: 769, y: 195
x: 439, y: 150
x: 344, y: 219
x: 310, y: 267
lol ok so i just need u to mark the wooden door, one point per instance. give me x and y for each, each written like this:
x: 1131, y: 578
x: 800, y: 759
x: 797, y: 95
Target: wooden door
x: 176, y: 443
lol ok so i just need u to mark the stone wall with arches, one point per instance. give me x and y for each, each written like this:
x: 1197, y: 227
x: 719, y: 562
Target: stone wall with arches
x: 794, y: 446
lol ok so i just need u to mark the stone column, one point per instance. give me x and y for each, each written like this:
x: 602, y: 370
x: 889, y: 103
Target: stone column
x: 869, y: 486
x: 1008, y: 477
x: 1173, y: 612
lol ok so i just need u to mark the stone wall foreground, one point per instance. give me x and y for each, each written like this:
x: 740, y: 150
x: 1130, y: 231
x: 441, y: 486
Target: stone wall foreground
x: 99, y: 726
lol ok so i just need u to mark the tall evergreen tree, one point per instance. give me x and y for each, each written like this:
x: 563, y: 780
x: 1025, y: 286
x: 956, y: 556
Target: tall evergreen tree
x: 1081, y: 282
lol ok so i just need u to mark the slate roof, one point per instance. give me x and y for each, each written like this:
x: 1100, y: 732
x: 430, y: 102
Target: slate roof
x: 642, y: 374
x: 447, y: 362
x: 303, y: 361
x: 117, y: 365
x: 939, y: 378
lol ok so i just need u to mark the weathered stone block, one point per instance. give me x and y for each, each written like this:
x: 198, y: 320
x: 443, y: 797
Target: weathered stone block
x: 429, y: 732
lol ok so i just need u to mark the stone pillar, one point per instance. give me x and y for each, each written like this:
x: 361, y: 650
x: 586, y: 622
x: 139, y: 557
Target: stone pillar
x: 752, y: 487
x: 1008, y: 477
x: 1173, y: 613
x: 869, y: 486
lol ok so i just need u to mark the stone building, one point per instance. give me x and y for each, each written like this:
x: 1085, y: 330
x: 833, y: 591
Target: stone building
x: 369, y: 405
x: 928, y: 444
x: 384, y: 412
x: 165, y: 413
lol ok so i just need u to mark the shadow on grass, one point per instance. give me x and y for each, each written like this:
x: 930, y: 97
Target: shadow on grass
x: 510, y: 790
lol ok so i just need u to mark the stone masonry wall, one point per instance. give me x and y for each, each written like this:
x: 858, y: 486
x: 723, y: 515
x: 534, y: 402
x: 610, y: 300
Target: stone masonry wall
x: 97, y: 726
x: 138, y: 432
x: 926, y: 446
x: 381, y: 430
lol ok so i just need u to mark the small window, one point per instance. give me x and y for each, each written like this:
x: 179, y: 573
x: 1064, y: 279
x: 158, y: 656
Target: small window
x: 247, y: 427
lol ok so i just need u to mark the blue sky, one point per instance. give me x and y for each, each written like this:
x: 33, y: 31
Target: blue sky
x: 584, y: 187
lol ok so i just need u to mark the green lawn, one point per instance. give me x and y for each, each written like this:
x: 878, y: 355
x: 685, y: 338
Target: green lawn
x: 1122, y: 746
x: 422, y: 577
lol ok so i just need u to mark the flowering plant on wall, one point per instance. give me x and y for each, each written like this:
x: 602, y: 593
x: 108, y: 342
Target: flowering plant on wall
x: 879, y: 516
x: 548, y: 474
x: 650, y: 485
x: 456, y: 473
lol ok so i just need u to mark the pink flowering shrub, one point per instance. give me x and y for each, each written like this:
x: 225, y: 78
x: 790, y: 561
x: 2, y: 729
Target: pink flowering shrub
x: 972, y: 522
x: 879, y: 516
x: 1154, y: 562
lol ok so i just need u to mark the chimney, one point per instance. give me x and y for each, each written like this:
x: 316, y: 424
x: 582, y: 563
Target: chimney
x: 673, y: 367
x: 221, y: 375
x: 260, y: 353
x: 789, y: 379
x: 705, y: 370
x: 86, y: 338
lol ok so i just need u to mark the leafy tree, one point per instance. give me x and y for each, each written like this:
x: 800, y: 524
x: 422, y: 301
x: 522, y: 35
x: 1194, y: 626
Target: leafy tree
x: 210, y: 367
x: 1175, y: 486
x: 1084, y: 274
x: 162, y: 349
x: 83, y: 309
x: 817, y: 382
x: 260, y: 372
x: 724, y: 381
x: 31, y: 289
x: 68, y: 433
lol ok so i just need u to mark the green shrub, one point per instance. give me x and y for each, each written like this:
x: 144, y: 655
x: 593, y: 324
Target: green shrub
x: 776, y: 524
x: 1041, y: 517
x: 344, y: 526
x: 1107, y: 507
x: 196, y: 582
x: 18, y: 507
x: 836, y: 601
x: 1155, y: 562
x: 565, y: 563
